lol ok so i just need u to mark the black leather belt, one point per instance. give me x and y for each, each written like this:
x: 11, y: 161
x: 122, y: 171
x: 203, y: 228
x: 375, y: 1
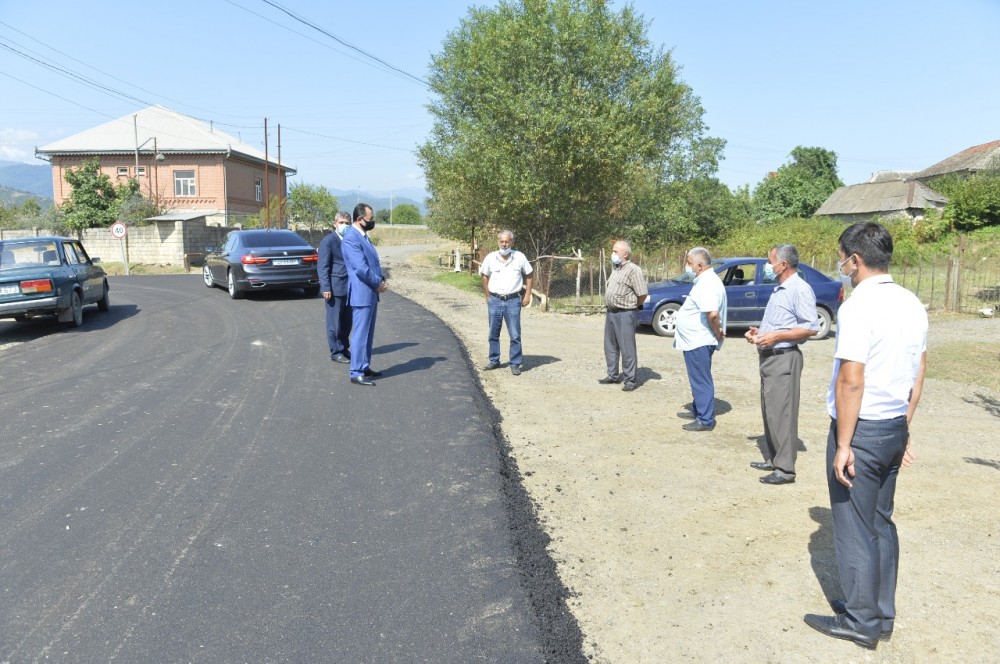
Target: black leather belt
x: 616, y: 310
x: 778, y: 351
x: 508, y: 296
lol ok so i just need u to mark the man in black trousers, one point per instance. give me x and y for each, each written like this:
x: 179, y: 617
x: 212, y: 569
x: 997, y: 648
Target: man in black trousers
x: 333, y: 285
x: 878, y: 375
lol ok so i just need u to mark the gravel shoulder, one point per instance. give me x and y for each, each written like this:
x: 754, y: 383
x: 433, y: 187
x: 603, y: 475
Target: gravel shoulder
x: 671, y: 547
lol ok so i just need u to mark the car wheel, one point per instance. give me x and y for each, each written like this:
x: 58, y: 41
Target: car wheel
x: 664, y: 319
x: 105, y: 302
x: 206, y: 274
x: 234, y: 291
x: 77, y: 307
x: 825, y: 322
x: 311, y: 291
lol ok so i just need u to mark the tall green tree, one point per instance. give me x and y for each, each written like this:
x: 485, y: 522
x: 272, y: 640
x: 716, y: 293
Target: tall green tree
x: 799, y: 187
x: 94, y: 200
x: 551, y: 116
x: 312, y: 205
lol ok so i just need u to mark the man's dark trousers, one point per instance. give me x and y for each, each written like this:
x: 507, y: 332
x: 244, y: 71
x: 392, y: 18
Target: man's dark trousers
x: 338, y: 324
x: 619, y: 339
x: 864, y: 535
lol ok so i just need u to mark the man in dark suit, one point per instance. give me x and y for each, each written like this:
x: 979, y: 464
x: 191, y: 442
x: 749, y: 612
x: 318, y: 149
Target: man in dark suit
x: 365, y: 282
x: 333, y: 285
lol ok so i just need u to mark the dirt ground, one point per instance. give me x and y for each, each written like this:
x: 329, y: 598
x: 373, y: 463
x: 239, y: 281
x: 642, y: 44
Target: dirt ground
x: 675, y: 552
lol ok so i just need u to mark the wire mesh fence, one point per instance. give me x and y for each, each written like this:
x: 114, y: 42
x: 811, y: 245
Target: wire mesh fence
x: 960, y: 283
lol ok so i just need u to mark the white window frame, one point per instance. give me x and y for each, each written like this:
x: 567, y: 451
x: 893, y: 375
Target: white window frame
x: 123, y: 170
x: 140, y: 172
x: 184, y: 184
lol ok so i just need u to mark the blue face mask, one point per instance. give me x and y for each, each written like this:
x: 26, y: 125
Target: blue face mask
x: 341, y: 229
x: 769, y: 272
x: 505, y: 252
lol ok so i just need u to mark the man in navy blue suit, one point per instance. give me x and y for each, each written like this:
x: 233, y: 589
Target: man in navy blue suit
x: 365, y: 282
x: 333, y: 285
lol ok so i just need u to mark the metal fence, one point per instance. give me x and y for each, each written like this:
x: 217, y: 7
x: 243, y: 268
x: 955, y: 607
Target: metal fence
x: 962, y: 283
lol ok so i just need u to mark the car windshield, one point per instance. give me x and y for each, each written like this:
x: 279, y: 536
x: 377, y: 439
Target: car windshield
x: 259, y: 239
x: 14, y: 255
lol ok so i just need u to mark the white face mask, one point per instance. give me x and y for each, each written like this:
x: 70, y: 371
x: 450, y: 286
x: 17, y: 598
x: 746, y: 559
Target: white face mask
x: 341, y: 229
x: 505, y: 252
x: 689, y: 270
x: 846, y: 278
x: 616, y: 259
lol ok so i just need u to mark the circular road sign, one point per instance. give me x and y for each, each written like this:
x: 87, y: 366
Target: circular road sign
x: 118, y: 230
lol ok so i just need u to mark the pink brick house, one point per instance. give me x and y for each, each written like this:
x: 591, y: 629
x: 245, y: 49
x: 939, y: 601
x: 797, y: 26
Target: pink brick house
x: 187, y: 165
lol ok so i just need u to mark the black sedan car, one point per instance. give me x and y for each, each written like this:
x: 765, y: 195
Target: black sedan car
x: 747, y: 292
x: 50, y: 275
x: 250, y: 260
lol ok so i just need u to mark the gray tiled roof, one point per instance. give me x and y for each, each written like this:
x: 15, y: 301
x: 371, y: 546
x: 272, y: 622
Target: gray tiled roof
x: 879, y: 197
x: 173, y: 131
x: 976, y: 158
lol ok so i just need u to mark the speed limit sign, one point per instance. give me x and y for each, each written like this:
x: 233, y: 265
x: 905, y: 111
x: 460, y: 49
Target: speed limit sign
x: 118, y: 230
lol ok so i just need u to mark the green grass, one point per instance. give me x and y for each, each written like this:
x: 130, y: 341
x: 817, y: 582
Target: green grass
x: 964, y: 362
x: 461, y: 280
x: 118, y: 269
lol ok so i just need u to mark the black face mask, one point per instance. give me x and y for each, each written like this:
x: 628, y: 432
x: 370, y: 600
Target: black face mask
x: 370, y: 224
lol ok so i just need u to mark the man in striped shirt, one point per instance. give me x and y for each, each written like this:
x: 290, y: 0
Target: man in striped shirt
x: 625, y: 293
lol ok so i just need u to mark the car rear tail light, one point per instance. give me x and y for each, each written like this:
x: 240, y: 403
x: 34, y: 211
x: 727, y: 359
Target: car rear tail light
x: 36, y: 286
x: 250, y: 259
x: 840, y: 296
x: 310, y: 259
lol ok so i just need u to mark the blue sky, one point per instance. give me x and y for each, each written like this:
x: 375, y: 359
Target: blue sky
x: 885, y: 84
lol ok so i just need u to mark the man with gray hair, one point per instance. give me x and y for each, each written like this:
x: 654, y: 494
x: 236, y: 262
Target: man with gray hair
x: 333, y: 284
x: 625, y: 293
x: 789, y: 319
x: 506, y: 275
x: 700, y: 327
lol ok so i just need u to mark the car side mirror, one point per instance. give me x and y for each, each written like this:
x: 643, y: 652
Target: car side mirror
x: 210, y: 249
x: 95, y: 260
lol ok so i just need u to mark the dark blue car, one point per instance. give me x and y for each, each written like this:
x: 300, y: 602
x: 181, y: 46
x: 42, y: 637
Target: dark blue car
x: 49, y: 275
x: 747, y: 291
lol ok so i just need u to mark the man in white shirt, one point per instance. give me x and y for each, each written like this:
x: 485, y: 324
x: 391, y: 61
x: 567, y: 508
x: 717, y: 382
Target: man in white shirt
x: 506, y: 275
x: 700, y: 327
x: 878, y: 375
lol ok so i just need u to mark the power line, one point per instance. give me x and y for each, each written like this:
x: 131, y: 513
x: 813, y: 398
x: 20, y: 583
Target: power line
x: 345, y: 43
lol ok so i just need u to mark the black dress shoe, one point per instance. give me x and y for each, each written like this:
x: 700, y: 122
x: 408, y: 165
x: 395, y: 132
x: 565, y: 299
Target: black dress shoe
x: 371, y: 373
x: 761, y: 465
x: 686, y: 415
x: 491, y: 366
x: 775, y: 478
x: 839, y: 607
x: 697, y: 426
x: 628, y: 387
x: 608, y: 380
x: 342, y: 359
x: 834, y: 626
x: 361, y: 380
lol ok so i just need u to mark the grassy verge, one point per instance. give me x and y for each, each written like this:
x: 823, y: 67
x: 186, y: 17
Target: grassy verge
x: 118, y: 269
x: 963, y: 362
x: 471, y: 283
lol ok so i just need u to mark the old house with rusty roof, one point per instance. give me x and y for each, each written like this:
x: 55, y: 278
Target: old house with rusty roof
x: 967, y: 162
x: 186, y: 165
x: 881, y: 199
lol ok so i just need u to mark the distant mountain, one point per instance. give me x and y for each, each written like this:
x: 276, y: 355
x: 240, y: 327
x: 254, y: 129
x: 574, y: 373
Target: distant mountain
x: 33, y: 179
x: 15, y: 198
x: 348, y: 198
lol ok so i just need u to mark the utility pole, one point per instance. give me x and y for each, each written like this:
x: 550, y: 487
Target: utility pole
x: 281, y: 217
x: 267, y: 207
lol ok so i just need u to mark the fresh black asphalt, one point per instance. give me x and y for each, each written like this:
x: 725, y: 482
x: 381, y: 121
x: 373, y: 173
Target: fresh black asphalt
x: 188, y: 478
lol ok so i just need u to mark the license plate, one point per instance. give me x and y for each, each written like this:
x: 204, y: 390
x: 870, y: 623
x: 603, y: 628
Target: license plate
x: 9, y: 290
x: 284, y: 261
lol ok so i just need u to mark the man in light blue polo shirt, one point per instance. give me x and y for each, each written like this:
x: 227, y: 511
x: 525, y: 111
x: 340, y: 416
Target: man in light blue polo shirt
x: 789, y: 319
x: 700, y: 327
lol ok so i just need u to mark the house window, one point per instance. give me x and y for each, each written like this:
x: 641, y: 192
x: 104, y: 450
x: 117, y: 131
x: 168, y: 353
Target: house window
x: 123, y: 171
x: 141, y: 171
x: 258, y: 186
x: 184, y: 183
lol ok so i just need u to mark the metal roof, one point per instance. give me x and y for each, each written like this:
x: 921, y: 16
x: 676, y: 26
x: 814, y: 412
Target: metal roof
x: 879, y: 197
x: 174, y: 133
x: 976, y: 158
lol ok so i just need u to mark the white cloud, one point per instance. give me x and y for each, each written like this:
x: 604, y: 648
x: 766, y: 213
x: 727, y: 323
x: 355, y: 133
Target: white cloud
x: 17, y: 136
x: 8, y: 153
